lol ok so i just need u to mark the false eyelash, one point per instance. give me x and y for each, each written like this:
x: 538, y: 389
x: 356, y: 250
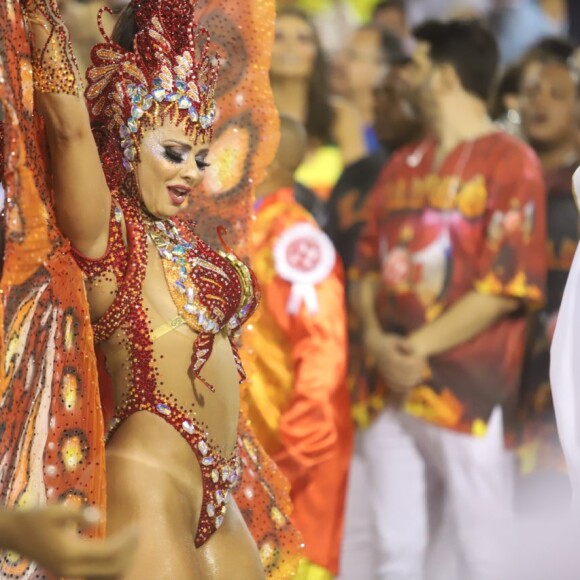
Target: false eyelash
x: 172, y: 156
x: 202, y: 164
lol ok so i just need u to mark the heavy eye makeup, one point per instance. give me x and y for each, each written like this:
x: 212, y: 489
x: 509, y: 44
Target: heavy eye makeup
x: 178, y: 154
x: 173, y: 155
x: 200, y: 159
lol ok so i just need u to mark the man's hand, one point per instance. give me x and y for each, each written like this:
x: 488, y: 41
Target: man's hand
x: 49, y: 537
x: 396, y: 360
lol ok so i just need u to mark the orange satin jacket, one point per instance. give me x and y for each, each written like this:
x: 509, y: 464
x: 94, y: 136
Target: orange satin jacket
x: 298, y: 399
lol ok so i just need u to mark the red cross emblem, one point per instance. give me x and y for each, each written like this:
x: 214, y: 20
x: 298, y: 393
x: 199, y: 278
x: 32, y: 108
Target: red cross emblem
x: 303, y: 254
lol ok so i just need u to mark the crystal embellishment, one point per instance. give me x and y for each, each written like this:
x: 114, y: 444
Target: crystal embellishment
x: 132, y: 125
x: 184, y: 103
x: 158, y: 94
x: 163, y: 409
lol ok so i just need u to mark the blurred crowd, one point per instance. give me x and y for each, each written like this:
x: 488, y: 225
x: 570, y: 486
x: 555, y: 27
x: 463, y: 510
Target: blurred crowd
x: 401, y: 373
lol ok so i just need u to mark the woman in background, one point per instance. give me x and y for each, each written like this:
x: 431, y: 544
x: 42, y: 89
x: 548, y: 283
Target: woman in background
x: 299, y: 77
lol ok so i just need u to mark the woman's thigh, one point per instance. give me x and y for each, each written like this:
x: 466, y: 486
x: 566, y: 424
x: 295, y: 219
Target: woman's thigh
x: 231, y: 551
x: 141, y: 494
x: 166, y: 510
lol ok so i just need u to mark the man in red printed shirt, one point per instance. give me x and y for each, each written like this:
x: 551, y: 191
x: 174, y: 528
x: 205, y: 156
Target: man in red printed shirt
x: 449, y: 261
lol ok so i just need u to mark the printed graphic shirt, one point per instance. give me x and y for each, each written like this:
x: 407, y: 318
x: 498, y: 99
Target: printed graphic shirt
x: 432, y: 236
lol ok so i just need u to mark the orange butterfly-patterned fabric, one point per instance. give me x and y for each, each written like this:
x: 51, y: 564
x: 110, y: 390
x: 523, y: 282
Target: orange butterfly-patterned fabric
x: 51, y: 427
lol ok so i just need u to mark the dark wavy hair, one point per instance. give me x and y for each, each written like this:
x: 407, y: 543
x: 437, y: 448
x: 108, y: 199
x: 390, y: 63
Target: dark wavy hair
x: 125, y: 28
x: 320, y: 114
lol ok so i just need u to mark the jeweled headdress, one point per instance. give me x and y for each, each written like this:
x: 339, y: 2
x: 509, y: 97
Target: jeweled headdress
x: 169, y: 72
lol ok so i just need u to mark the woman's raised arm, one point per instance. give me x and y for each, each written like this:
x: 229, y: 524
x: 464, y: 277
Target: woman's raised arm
x: 82, y: 197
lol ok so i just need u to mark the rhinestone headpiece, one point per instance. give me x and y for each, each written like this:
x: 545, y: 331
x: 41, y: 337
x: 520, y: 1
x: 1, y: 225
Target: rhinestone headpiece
x: 170, y: 72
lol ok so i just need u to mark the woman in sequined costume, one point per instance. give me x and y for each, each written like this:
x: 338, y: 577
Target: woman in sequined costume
x: 165, y: 307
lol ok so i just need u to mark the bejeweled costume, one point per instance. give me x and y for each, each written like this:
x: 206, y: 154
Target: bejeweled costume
x: 52, y: 445
x: 194, y: 271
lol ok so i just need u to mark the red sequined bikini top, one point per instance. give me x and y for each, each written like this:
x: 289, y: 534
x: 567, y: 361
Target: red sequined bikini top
x: 214, y: 292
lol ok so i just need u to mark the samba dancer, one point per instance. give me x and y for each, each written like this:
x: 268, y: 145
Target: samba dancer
x: 165, y: 306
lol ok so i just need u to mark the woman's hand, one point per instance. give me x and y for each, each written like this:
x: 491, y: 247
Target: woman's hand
x: 49, y: 536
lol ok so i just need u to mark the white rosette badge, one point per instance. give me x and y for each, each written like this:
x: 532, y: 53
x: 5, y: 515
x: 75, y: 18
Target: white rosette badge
x: 304, y: 256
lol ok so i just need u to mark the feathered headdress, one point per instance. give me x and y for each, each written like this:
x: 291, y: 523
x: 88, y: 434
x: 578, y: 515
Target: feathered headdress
x: 169, y: 72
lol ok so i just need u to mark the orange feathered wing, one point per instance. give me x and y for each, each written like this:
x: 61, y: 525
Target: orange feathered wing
x: 246, y: 132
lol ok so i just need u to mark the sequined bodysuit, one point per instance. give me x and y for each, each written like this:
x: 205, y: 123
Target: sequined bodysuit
x: 214, y: 293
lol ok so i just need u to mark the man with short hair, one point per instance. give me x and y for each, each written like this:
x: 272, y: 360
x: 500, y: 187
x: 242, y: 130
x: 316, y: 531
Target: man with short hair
x: 392, y: 15
x: 449, y: 260
x: 548, y: 106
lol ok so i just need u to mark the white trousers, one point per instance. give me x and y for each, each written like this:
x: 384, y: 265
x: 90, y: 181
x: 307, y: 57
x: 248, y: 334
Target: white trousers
x: 425, y: 502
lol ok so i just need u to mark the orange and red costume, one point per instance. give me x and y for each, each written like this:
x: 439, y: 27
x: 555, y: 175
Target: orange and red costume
x: 298, y: 400
x: 52, y: 436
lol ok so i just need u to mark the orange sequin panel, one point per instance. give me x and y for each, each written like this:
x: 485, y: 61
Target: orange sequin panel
x: 246, y: 133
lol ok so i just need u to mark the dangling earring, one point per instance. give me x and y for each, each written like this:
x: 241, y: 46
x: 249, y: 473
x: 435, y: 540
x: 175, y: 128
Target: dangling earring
x: 514, y: 117
x: 511, y: 123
